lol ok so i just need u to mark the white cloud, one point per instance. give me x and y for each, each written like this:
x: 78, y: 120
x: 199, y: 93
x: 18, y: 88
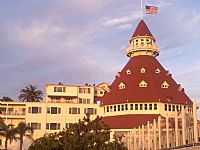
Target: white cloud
x: 120, y: 22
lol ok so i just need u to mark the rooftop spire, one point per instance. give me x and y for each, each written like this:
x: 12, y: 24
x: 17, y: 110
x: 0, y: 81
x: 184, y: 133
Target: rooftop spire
x: 142, y: 30
x: 142, y: 42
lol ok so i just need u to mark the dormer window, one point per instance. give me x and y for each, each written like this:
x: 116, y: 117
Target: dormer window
x: 128, y: 71
x: 165, y: 85
x: 142, y: 70
x: 121, y: 85
x: 157, y: 71
x: 142, y: 84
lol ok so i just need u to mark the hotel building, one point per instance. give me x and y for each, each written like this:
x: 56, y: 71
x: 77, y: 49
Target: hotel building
x: 144, y: 103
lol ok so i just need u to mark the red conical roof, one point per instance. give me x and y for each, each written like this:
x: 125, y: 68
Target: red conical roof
x: 132, y: 93
x: 142, y: 30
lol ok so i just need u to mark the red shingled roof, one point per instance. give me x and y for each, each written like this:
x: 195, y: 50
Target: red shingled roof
x: 128, y: 121
x: 152, y: 93
x: 142, y: 30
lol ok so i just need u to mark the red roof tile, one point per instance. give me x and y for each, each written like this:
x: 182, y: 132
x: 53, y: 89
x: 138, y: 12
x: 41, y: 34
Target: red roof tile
x: 142, y: 30
x: 152, y: 93
x: 128, y: 121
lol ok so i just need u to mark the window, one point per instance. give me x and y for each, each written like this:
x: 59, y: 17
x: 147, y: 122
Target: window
x: 145, y: 107
x: 68, y: 125
x: 74, y: 110
x: 141, y: 106
x: 53, y: 110
x: 101, y: 92
x: 110, y: 108
x: 115, y: 108
x: 88, y: 101
x: 84, y: 90
x: 150, y: 106
x: 142, y: 84
x: 122, y: 107
x: 142, y: 70
x: 173, y: 108
x: 35, y: 125
x: 34, y: 110
x: 165, y: 107
x: 121, y: 85
x: 131, y: 106
x: 53, y: 126
x: 170, y: 107
x: 136, y: 42
x: 107, y: 108
x: 118, y: 107
x: 59, y: 89
x: 164, y: 85
x: 126, y: 106
x: 155, y: 107
x: 157, y: 71
x: 128, y: 71
x: 90, y: 111
x: 136, y: 106
x: 84, y: 100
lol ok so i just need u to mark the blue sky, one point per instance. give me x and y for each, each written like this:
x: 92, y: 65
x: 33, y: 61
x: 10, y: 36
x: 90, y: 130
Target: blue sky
x: 84, y: 41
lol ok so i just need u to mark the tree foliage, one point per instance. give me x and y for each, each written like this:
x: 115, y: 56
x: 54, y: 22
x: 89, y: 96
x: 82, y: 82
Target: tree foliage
x: 6, y: 99
x: 85, y: 135
x: 8, y: 132
x: 30, y: 94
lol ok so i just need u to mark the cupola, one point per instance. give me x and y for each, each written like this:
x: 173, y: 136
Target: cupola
x: 142, y: 42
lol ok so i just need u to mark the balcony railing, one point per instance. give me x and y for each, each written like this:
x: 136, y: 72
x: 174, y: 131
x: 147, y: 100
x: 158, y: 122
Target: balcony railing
x: 13, y: 113
x: 138, y: 47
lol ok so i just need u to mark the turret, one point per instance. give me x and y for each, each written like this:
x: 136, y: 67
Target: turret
x: 142, y: 42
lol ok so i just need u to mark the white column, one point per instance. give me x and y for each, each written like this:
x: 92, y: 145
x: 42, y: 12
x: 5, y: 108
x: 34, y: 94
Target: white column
x: 159, y: 132
x: 195, y: 122
x: 167, y: 131
x: 134, y: 142
x: 148, y: 135
x: 139, y: 138
x: 111, y: 135
x: 183, y: 124
x: 143, y: 137
x: 130, y: 139
x: 176, y: 127
x: 154, y: 134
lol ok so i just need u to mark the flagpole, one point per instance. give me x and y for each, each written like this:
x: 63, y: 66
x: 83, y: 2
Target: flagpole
x: 141, y: 7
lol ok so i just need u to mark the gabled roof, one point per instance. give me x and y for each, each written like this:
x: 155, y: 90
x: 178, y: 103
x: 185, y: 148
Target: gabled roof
x: 129, y: 121
x: 132, y: 93
x: 142, y: 30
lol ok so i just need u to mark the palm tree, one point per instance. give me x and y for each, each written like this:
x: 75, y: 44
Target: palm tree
x: 23, y: 130
x: 8, y: 132
x: 30, y: 94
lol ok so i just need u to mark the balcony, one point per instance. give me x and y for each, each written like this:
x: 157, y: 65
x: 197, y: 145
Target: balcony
x: 138, y: 49
x: 62, y: 100
x: 13, y: 114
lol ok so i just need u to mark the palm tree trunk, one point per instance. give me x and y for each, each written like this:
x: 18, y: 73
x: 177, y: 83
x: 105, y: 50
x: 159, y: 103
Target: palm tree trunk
x: 21, y: 142
x: 6, y: 144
